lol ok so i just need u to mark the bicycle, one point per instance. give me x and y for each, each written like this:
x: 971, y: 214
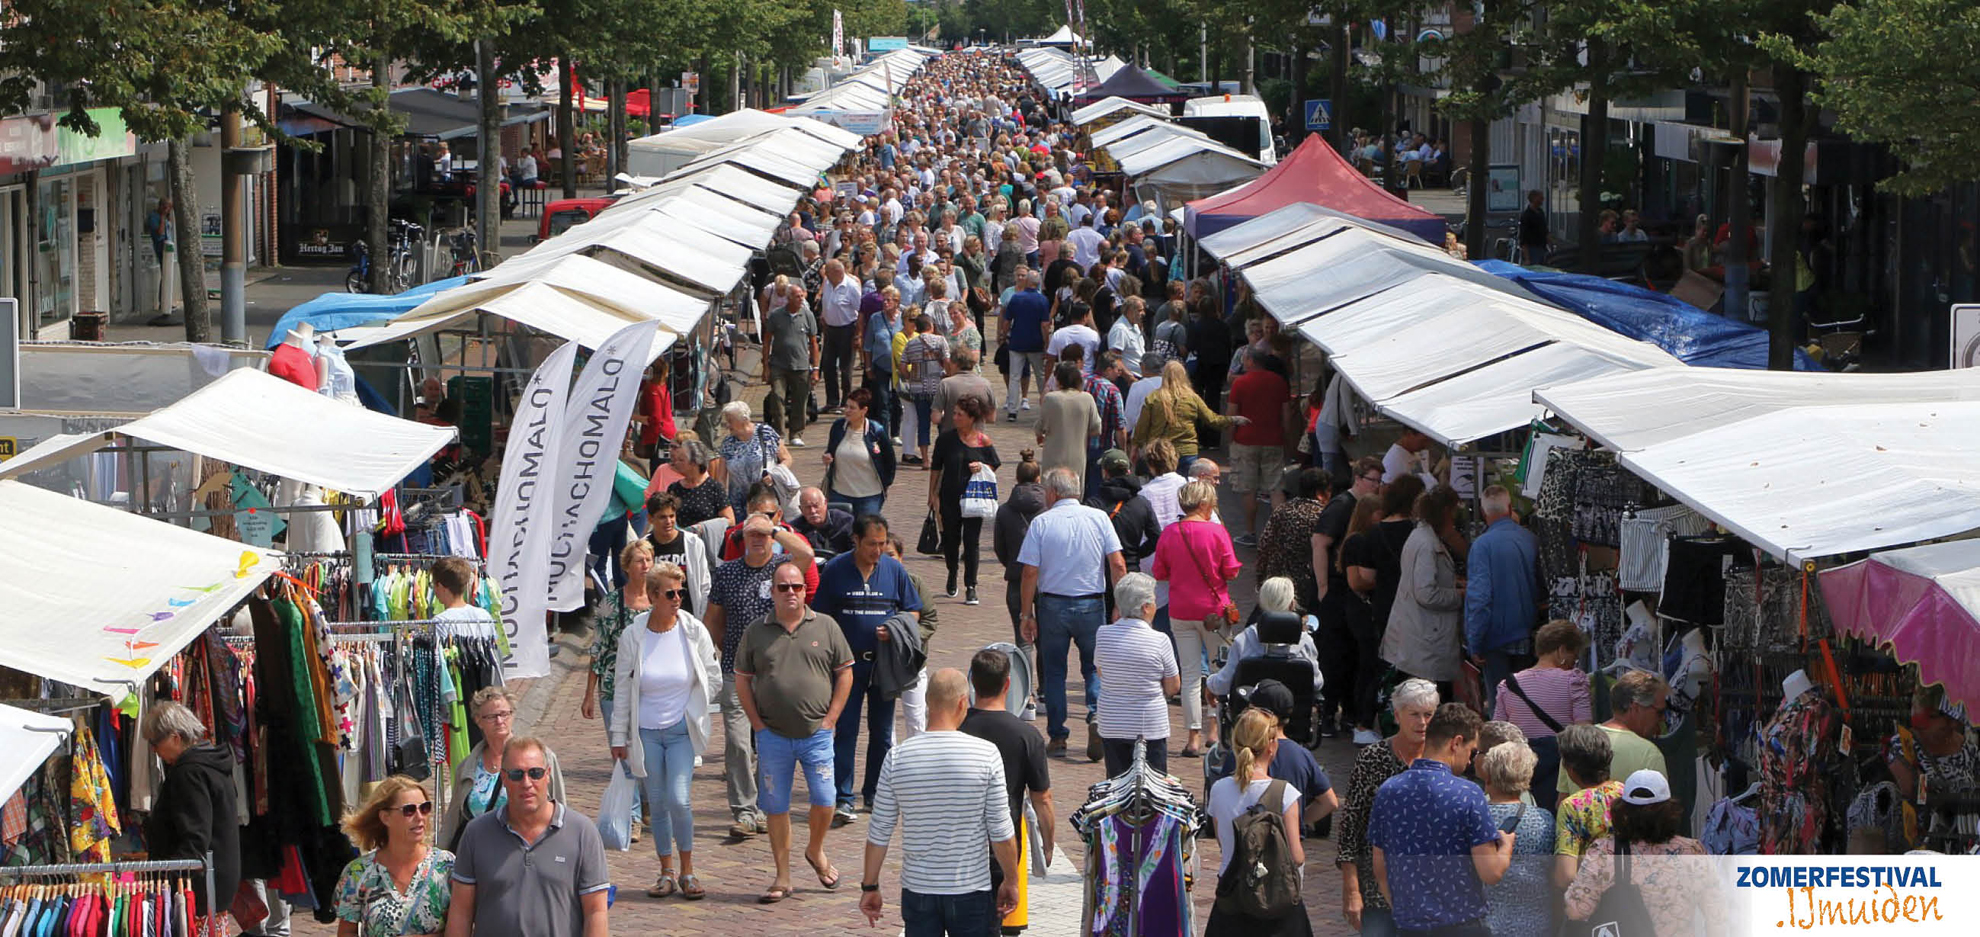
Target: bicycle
x: 1507, y: 247
x: 399, y: 267
x: 466, y: 259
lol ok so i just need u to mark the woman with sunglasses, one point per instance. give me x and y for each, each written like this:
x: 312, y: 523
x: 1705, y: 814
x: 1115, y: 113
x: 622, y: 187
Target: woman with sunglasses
x: 400, y: 885
x: 478, y: 775
x: 666, y: 673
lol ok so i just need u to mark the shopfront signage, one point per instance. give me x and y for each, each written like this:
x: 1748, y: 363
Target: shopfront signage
x: 28, y: 143
x: 1966, y: 335
x: 112, y: 141
x: 10, y: 446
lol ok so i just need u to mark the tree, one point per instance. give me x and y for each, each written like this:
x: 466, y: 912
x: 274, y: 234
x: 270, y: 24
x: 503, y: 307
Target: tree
x: 1889, y: 81
x: 1478, y: 66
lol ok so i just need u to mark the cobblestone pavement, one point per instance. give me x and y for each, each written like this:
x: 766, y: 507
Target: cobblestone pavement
x: 735, y: 873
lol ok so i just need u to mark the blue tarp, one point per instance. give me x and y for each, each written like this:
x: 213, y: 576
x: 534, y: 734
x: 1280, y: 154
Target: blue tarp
x: 332, y: 311
x: 1689, y: 333
x: 689, y: 120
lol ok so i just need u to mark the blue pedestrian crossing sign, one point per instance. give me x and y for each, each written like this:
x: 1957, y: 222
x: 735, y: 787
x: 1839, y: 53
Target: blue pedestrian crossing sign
x: 1319, y: 114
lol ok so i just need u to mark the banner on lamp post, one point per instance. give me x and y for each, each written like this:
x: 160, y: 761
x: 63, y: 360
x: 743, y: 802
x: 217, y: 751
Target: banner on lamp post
x: 838, y: 34
x: 600, y: 406
x: 523, y: 518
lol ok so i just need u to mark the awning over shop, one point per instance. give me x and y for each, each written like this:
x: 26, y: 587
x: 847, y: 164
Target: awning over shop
x: 1107, y: 106
x: 254, y: 419
x: 428, y: 113
x: 100, y: 597
x: 575, y: 297
x: 1921, y: 602
x: 28, y: 738
x: 1800, y: 464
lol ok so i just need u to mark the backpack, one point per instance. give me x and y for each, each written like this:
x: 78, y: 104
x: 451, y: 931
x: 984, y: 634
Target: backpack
x: 1262, y: 880
x: 1621, y: 912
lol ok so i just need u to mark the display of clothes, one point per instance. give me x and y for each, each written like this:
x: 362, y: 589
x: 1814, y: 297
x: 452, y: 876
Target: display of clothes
x: 403, y: 591
x: 1644, y: 550
x: 148, y: 907
x: 1770, y: 615
x: 1140, y: 829
x: 1798, y: 766
x: 1695, y: 572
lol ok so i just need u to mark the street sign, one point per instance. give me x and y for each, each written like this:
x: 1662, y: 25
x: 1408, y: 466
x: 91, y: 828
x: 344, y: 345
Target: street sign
x: 10, y: 352
x: 691, y: 81
x: 1319, y: 114
x: 1966, y: 335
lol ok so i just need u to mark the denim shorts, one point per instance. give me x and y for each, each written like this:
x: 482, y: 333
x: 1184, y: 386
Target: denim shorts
x: 777, y: 757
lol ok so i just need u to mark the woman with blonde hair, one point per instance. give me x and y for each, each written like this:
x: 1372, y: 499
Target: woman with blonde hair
x: 1194, y: 556
x: 1255, y: 738
x: 617, y: 610
x: 400, y: 885
x: 1171, y: 412
x: 478, y: 776
x: 666, y: 672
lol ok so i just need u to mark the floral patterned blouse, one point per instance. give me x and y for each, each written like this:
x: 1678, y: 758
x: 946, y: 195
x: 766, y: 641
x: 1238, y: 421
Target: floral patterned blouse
x: 612, y: 618
x: 1670, y: 877
x: 1375, y: 764
x: 1583, y: 818
x: 367, y: 896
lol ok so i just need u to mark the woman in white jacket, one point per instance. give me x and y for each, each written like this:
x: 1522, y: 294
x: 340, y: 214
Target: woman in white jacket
x: 666, y: 673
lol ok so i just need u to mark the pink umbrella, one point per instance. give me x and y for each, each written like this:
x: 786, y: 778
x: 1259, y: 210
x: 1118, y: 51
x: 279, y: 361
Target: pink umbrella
x: 1923, y: 603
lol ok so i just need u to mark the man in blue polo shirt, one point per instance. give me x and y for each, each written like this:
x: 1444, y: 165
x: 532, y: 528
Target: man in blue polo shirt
x: 861, y: 590
x: 1027, y: 321
x: 1432, y: 832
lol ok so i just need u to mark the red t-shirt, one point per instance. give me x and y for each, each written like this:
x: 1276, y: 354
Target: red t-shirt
x: 1260, y: 396
x: 659, y: 412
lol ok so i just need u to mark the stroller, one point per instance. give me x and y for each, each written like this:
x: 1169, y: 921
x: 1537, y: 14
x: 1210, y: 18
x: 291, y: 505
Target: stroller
x: 1279, y: 633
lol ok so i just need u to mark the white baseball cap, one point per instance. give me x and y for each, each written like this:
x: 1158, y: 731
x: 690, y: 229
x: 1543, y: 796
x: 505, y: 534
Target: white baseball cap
x: 1646, y: 787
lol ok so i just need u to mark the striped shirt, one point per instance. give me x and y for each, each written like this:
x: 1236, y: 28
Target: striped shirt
x: 1133, y: 659
x: 946, y: 790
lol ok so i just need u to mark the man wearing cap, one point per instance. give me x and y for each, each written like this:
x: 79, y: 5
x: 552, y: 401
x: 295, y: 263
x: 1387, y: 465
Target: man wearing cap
x: 1119, y: 494
x: 1436, y: 846
x: 1291, y: 763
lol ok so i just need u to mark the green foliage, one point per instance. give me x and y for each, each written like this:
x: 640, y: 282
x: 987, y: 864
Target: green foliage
x: 1904, y: 73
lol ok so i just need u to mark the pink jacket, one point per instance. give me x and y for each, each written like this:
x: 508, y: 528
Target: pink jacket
x: 1194, y: 557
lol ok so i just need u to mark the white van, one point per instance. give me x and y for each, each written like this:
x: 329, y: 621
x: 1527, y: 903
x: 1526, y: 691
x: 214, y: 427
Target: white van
x: 1238, y: 105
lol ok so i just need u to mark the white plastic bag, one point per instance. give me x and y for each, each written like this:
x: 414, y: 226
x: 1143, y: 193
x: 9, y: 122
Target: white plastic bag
x: 980, y: 494
x: 615, y: 808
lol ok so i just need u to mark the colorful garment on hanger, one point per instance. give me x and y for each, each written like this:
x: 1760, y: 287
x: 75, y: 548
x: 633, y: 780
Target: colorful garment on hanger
x: 1797, y: 763
x: 92, y: 809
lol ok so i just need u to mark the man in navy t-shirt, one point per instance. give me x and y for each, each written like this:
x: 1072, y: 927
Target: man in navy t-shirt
x: 861, y: 590
x: 1027, y: 321
x: 1292, y: 763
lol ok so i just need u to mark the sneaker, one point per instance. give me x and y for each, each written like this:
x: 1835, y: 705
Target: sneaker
x: 797, y: 442
x: 843, y: 816
x: 744, y: 827
x: 1027, y: 403
x: 1030, y: 714
x: 970, y: 597
x: 951, y: 592
x: 1243, y: 540
x: 1365, y: 737
x: 1011, y: 415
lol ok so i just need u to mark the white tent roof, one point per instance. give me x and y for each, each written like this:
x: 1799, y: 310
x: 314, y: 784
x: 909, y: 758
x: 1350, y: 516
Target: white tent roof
x: 28, y: 738
x: 738, y: 125
x: 573, y: 297
x: 1207, y: 163
x: 263, y: 422
x: 694, y: 258
x: 1106, y: 106
x: 101, y: 598
x: 1062, y: 36
x: 1141, y: 123
x: 1800, y: 464
x: 739, y: 185
x: 1105, y: 68
x: 1429, y: 340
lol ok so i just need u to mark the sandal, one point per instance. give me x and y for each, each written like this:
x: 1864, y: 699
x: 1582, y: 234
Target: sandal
x: 829, y: 883
x: 691, y: 888
x: 663, y: 887
x: 775, y: 894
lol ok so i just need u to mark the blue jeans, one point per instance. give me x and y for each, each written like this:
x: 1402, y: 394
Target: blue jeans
x: 669, y: 769
x: 968, y: 915
x: 1183, y: 462
x: 605, y: 713
x: 879, y: 735
x: 860, y: 506
x: 1498, y: 665
x: 924, y: 404
x: 1062, y: 623
x: 777, y: 756
x: 1378, y: 923
x: 886, y: 410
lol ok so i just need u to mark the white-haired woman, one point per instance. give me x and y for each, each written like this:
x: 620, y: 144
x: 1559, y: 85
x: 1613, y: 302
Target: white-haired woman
x: 478, y: 775
x: 1275, y: 597
x: 1414, y: 701
x: 746, y: 453
x: 1137, y: 674
x: 1194, y: 556
x: 666, y: 673
x: 702, y: 496
x: 194, y: 813
x: 1523, y: 901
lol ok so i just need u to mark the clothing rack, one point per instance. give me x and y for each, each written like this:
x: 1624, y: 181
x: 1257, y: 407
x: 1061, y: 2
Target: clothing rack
x: 204, y: 865
x: 56, y: 706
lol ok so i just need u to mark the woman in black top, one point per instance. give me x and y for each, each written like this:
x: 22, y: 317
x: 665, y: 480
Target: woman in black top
x: 1372, y: 559
x: 702, y: 496
x: 959, y: 452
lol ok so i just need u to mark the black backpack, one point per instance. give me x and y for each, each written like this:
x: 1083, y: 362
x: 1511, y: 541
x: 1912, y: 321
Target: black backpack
x: 1262, y: 880
x: 1621, y: 912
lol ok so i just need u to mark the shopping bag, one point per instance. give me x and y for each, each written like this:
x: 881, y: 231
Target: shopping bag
x: 980, y: 494
x: 931, y: 536
x: 615, y: 808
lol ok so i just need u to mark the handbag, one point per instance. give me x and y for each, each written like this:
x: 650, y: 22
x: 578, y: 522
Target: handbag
x: 1221, y: 619
x: 930, y: 541
x: 1002, y: 359
x: 979, y: 497
x: 778, y: 475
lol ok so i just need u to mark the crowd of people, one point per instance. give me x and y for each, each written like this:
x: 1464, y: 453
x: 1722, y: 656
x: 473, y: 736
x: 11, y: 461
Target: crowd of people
x: 786, y: 611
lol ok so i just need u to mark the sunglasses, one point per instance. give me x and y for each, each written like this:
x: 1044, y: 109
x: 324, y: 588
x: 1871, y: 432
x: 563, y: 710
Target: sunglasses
x: 790, y: 587
x: 423, y: 808
x: 673, y: 593
x: 534, y: 774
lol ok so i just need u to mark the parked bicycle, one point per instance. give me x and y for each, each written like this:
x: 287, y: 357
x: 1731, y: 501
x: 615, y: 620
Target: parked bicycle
x: 466, y: 259
x: 400, y: 265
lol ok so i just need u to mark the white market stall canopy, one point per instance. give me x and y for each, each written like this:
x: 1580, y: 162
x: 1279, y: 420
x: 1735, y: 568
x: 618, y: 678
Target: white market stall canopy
x: 102, y: 598
x: 871, y: 87
x: 664, y: 152
x: 1106, y: 106
x: 1429, y: 340
x: 1800, y: 464
x: 254, y: 419
x: 132, y: 378
x: 28, y: 738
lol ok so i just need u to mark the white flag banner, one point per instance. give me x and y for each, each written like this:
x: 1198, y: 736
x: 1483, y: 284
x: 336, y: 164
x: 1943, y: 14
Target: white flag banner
x: 838, y: 33
x: 523, y: 519
x: 601, y: 404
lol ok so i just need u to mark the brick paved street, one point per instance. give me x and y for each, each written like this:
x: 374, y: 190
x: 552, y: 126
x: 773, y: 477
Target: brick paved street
x: 735, y: 873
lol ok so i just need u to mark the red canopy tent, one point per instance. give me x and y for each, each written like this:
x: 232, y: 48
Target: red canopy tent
x: 1315, y: 173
